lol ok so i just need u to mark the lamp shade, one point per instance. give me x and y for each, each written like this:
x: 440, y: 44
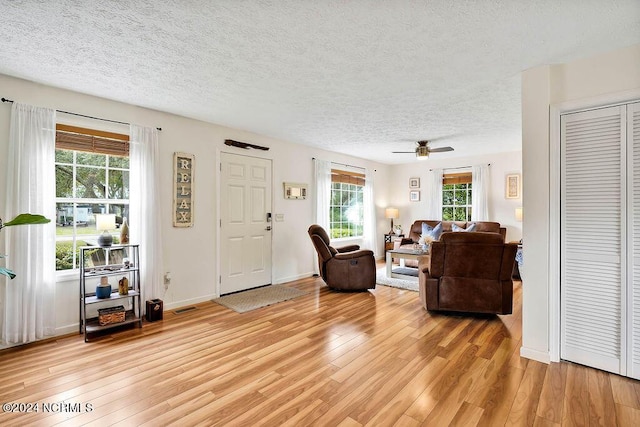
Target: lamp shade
x: 519, y: 213
x: 391, y: 213
x: 105, y: 222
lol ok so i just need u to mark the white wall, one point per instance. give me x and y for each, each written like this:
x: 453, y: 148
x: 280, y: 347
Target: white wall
x: 190, y: 254
x: 605, y: 78
x: 501, y: 210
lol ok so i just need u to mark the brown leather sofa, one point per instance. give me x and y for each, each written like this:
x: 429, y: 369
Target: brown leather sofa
x: 347, y: 268
x: 468, y: 272
x: 485, y: 226
x: 416, y: 230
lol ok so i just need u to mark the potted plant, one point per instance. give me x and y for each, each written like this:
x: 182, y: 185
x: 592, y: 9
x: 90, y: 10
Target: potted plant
x: 22, y: 219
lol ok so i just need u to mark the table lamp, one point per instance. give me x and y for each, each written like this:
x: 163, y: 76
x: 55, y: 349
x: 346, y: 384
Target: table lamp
x: 105, y: 222
x: 391, y: 213
x: 519, y: 213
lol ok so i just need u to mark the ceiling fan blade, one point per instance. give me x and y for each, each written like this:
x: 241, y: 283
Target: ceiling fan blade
x: 403, y: 152
x: 440, y: 150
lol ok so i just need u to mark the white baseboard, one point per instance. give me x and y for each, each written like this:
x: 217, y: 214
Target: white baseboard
x: 537, y: 355
x: 292, y: 278
x: 187, y: 302
x: 68, y: 329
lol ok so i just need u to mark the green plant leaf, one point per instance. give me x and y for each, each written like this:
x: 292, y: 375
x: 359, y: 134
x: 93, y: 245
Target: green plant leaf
x: 26, y: 218
x: 5, y: 271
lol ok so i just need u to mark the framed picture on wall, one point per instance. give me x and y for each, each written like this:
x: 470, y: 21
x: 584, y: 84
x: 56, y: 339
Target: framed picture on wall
x: 513, y: 186
x: 414, y: 196
x: 414, y: 182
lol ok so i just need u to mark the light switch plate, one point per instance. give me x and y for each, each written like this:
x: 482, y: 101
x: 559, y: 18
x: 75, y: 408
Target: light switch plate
x: 279, y: 217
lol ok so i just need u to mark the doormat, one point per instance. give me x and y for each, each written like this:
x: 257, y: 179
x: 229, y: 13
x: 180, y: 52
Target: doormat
x: 252, y: 299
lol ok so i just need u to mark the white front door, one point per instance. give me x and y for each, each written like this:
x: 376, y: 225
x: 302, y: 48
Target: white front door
x: 245, y: 222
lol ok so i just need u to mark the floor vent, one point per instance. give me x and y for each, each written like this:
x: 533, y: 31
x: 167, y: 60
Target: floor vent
x: 184, y: 310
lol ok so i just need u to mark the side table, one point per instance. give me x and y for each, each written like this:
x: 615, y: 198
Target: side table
x: 389, y: 239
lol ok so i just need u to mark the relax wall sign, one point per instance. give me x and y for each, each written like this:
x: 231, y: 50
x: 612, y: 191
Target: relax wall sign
x: 183, y: 187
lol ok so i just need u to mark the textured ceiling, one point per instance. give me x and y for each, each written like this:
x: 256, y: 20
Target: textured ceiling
x: 357, y: 77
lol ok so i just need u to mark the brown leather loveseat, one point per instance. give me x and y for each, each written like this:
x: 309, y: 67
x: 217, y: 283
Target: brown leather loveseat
x: 416, y: 230
x: 485, y: 226
x: 468, y: 272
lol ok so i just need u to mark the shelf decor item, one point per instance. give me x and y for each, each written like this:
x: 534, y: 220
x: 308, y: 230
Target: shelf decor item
x: 107, y: 316
x: 124, y: 231
x: 103, y: 290
x: 123, y: 286
x: 104, y: 223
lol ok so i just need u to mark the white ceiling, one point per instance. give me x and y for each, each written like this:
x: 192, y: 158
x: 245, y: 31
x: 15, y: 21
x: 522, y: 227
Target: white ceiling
x: 358, y: 77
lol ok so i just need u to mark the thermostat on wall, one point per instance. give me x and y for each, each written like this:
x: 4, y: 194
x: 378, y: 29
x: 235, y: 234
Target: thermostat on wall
x: 293, y: 190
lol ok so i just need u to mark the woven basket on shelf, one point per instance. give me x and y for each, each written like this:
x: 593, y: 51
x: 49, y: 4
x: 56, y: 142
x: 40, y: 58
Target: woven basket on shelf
x: 107, y: 316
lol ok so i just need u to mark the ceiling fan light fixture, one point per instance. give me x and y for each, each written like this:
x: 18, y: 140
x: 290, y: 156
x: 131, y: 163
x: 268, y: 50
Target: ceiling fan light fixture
x: 422, y: 152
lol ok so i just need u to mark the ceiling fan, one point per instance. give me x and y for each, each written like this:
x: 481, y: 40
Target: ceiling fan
x: 422, y: 150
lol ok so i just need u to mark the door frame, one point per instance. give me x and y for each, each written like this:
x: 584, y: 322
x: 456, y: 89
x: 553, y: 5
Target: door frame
x: 218, y: 216
x: 555, y: 157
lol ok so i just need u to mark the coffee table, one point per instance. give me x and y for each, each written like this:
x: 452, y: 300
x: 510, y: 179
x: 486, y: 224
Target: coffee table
x: 403, y: 272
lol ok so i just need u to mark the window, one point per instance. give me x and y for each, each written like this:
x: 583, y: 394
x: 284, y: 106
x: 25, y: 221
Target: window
x: 346, y: 206
x: 456, y: 197
x: 92, y: 176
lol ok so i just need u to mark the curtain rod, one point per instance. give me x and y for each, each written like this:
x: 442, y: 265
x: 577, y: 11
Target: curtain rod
x: 344, y: 164
x: 83, y: 115
x: 459, y: 167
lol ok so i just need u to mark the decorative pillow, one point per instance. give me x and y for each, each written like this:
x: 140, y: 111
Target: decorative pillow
x: 472, y: 227
x: 433, y: 232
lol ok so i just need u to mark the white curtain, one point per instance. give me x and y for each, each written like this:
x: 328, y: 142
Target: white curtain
x: 323, y: 192
x: 322, y: 186
x: 28, y: 300
x: 369, y: 241
x: 145, y: 208
x: 479, y: 193
x: 434, y: 194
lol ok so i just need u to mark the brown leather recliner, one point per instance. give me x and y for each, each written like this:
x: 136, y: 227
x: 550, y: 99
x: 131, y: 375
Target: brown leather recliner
x: 469, y: 272
x: 348, y: 268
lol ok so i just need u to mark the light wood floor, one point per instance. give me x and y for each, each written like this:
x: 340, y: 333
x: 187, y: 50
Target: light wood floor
x: 374, y: 358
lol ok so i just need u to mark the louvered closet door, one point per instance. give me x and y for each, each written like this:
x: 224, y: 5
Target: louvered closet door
x: 592, y: 264
x: 633, y: 221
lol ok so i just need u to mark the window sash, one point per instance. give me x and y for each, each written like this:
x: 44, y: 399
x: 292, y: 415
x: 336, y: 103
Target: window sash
x: 78, y: 139
x: 454, y: 206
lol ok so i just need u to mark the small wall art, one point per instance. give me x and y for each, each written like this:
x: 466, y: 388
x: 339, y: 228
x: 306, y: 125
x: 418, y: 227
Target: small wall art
x: 294, y: 190
x: 513, y: 186
x: 183, y: 188
x: 414, y: 196
x: 414, y: 182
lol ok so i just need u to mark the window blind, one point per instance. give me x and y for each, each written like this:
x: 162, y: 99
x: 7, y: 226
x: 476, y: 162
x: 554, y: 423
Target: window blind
x: 456, y: 178
x: 347, y: 177
x: 91, y: 140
